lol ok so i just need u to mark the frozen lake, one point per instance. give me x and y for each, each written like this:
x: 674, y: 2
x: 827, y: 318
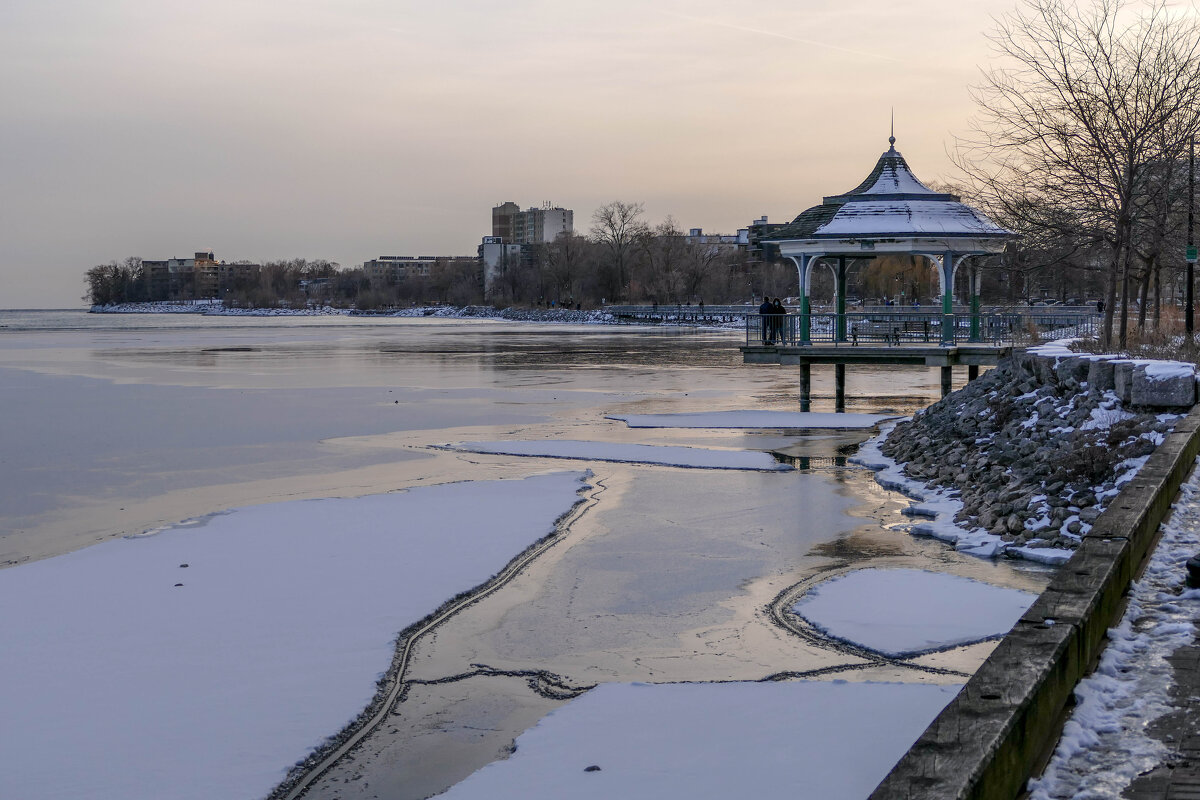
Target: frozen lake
x: 118, y: 425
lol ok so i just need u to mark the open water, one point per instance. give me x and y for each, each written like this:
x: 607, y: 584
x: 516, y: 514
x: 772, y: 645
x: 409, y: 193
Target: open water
x: 118, y: 424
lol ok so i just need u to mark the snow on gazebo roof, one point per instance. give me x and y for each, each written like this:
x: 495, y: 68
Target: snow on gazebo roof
x: 890, y: 203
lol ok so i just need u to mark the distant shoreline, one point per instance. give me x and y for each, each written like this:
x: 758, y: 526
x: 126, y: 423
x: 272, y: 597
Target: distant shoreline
x: 217, y: 308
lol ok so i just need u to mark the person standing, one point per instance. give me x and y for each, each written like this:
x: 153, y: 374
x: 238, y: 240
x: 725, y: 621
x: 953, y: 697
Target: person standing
x: 764, y: 321
x: 778, y: 312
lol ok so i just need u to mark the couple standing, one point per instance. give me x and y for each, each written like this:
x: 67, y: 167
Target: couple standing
x: 772, y: 313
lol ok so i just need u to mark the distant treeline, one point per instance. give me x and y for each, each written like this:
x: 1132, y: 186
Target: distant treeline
x: 621, y: 260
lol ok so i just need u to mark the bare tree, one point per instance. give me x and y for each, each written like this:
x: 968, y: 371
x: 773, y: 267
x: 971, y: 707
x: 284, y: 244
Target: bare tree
x: 566, y: 258
x: 663, y: 251
x: 616, y: 227
x: 1084, y: 100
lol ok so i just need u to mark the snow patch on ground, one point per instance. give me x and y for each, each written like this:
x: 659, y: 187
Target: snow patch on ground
x: 905, y: 612
x: 118, y: 682
x: 832, y: 740
x: 1104, y: 745
x: 751, y: 419
x: 668, y: 456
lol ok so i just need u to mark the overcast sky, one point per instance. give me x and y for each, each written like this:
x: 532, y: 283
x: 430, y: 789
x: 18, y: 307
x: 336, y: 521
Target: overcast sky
x: 348, y: 129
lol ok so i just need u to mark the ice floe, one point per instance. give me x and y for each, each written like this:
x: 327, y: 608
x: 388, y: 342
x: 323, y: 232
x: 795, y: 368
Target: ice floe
x: 661, y: 455
x: 204, y: 661
x: 752, y: 419
x: 833, y: 740
x: 904, y: 612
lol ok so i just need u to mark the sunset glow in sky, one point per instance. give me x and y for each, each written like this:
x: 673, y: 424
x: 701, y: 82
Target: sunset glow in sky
x: 348, y: 129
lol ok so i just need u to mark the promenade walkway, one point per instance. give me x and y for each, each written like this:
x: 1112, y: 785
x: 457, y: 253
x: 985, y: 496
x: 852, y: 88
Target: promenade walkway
x: 1135, y: 730
x: 1177, y: 777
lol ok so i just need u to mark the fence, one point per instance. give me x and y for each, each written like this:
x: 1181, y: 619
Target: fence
x: 915, y: 328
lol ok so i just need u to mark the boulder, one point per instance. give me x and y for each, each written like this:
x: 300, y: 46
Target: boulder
x: 1072, y: 369
x: 1162, y: 390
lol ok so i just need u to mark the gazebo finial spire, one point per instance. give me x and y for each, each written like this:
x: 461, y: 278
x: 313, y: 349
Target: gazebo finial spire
x: 892, y: 136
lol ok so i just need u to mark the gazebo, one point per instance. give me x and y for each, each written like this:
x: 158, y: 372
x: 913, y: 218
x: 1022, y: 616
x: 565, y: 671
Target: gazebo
x: 890, y: 212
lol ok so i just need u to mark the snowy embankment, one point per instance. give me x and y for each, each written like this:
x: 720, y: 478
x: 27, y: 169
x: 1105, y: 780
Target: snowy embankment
x: 660, y: 455
x: 203, y: 660
x: 1104, y: 743
x: 1023, y: 460
x: 832, y: 740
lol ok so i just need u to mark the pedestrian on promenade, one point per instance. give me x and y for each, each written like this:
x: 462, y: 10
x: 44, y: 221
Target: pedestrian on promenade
x: 764, y: 321
x: 778, y: 312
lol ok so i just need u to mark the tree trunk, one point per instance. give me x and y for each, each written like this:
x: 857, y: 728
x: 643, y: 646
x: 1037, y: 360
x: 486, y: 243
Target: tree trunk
x: 1143, y: 297
x: 1110, y: 298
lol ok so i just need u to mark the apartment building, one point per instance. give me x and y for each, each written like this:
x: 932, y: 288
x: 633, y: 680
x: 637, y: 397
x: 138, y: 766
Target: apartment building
x: 542, y: 225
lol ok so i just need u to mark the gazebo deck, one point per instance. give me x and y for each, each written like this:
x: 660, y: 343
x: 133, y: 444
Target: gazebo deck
x: 929, y: 355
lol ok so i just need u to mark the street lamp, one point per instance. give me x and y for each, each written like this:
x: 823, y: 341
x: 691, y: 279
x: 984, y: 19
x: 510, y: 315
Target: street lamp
x: 1189, y: 308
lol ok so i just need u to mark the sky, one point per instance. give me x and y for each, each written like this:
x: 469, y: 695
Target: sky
x: 349, y: 129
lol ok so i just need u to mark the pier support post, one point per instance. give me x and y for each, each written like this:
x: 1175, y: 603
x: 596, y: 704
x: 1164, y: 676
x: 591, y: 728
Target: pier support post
x: 839, y: 396
x: 947, y: 378
x: 972, y: 372
x: 806, y: 387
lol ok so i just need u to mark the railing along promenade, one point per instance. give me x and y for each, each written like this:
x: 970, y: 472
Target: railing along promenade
x: 913, y: 327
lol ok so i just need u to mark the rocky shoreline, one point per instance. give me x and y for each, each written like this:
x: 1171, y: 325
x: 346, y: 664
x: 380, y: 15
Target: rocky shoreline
x: 1023, y: 460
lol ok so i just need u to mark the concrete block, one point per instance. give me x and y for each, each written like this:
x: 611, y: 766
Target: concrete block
x: 1100, y: 376
x: 1123, y: 380
x: 1165, y: 392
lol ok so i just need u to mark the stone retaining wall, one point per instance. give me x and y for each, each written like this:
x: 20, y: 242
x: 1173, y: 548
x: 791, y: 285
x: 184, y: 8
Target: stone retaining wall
x: 992, y: 736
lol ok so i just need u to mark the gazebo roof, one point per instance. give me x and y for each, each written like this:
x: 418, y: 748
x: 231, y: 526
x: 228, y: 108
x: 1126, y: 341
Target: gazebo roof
x: 890, y: 203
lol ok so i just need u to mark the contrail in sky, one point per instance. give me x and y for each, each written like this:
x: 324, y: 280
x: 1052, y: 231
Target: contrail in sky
x: 827, y: 46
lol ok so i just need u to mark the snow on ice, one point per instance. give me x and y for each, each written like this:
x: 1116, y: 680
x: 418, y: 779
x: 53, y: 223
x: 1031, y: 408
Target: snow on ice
x: 828, y: 739
x: 904, y: 612
x: 203, y: 661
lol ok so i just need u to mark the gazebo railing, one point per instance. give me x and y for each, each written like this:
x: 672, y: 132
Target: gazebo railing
x: 914, y: 328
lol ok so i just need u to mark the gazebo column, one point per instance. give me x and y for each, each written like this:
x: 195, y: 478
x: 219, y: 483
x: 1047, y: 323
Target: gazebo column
x: 803, y: 266
x: 947, y: 273
x: 976, y: 279
x: 840, y: 330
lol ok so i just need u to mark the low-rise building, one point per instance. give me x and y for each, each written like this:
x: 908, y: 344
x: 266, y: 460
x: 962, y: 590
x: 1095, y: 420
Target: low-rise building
x: 200, y: 276
x: 756, y: 248
x: 390, y: 270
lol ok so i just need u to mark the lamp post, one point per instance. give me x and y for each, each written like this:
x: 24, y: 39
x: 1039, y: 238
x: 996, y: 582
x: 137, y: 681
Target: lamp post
x: 1189, y: 307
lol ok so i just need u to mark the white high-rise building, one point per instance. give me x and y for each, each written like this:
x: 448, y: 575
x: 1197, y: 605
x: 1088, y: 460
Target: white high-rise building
x: 531, y: 226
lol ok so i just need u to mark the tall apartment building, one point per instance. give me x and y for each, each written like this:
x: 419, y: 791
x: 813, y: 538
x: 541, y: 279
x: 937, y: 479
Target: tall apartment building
x: 511, y: 225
